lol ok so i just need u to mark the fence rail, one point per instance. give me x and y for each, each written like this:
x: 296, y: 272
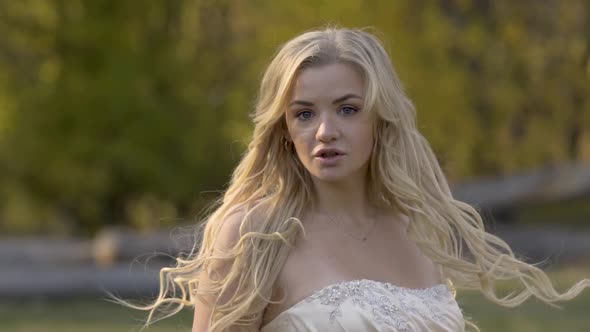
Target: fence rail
x: 128, y: 264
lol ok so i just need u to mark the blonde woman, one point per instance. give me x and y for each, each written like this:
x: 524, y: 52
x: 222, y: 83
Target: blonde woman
x: 338, y: 217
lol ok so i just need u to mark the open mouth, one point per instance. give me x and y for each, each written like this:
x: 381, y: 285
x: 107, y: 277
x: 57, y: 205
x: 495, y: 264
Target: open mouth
x: 329, y: 154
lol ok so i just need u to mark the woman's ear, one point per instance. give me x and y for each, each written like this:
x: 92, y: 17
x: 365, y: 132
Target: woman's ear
x: 284, y: 131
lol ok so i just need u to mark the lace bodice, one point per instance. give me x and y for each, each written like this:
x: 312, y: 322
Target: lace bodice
x: 369, y: 305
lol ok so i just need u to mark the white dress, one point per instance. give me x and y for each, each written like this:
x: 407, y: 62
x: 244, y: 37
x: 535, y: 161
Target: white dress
x: 369, y: 305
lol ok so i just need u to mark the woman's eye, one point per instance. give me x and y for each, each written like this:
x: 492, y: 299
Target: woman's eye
x: 348, y: 110
x: 304, y: 115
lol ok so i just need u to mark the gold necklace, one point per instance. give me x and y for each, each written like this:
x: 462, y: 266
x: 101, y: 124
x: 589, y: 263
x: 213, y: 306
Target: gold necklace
x: 363, y: 239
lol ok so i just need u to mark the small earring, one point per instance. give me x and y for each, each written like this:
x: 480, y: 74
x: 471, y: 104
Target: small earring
x: 287, y: 144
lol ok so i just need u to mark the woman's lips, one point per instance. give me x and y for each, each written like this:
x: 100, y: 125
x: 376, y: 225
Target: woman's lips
x: 329, y: 160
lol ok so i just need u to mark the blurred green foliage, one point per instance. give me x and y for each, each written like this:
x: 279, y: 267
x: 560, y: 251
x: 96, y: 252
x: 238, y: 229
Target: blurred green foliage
x: 132, y: 112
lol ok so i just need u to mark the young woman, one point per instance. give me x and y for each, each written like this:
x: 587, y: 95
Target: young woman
x: 338, y: 217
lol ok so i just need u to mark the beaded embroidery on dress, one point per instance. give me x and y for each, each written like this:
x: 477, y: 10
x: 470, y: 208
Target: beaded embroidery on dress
x: 369, y: 305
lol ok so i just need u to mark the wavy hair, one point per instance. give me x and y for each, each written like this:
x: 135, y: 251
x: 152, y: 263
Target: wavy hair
x: 272, y: 188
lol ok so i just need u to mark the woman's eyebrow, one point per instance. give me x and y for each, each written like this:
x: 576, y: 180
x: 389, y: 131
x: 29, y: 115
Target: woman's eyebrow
x: 336, y: 101
x: 300, y: 102
x: 345, y: 97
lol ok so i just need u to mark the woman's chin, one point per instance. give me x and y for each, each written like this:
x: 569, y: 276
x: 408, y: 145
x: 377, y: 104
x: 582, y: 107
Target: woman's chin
x: 331, y: 175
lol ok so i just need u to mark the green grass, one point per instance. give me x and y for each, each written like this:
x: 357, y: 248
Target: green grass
x: 91, y: 315
x: 533, y: 315
x: 81, y: 315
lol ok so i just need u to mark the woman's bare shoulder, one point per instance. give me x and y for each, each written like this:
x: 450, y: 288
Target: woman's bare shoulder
x: 250, y: 217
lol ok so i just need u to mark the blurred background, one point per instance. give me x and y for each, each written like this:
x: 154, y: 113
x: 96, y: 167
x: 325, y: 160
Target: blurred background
x: 121, y: 120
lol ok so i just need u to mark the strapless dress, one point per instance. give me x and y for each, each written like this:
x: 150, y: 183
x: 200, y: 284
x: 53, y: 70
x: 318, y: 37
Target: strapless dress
x: 369, y: 305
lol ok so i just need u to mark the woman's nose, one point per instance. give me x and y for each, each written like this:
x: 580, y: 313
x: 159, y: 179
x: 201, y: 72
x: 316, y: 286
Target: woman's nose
x: 327, y: 130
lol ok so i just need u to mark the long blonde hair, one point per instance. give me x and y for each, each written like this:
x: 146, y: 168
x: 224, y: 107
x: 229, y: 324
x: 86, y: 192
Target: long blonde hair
x: 404, y: 174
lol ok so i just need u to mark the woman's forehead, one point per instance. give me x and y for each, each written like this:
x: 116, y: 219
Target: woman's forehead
x: 327, y: 81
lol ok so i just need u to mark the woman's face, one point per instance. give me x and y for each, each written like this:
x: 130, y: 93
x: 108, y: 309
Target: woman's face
x: 332, y: 134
